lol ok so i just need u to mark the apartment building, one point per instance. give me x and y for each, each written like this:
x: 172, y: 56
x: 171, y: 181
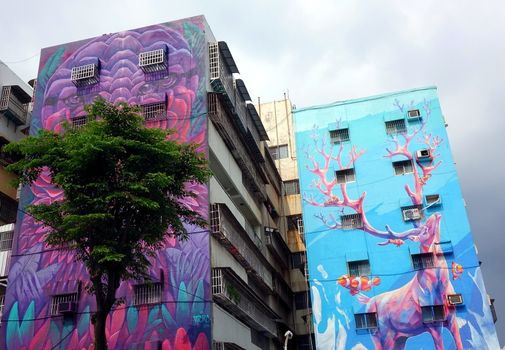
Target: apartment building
x: 15, y: 98
x: 391, y: 258
x: 228, y: 286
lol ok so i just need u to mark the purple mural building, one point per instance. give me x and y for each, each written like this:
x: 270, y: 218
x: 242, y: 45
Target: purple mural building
x: 162, y: 68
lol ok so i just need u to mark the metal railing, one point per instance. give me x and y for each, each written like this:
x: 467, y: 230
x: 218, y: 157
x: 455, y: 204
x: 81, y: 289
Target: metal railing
x: 11, y: 107
x: 221, y: 78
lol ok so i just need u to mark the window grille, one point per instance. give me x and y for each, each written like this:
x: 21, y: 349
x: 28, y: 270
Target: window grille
x: 218, y: 346
x: 154, y: 111
x: 433, y: 313
x: 6, y: 240
x: 414, y: 113
x: 423, y: 261
x: 345, y: 176
x: 56, y: 300
x: 359, y: 268
x: 279, y: 151
x: 351, y: 221
x: 153, y: 61
x: 149, y: 293
x: 79, y: 121
x: 291, y: 187
x: 339, y: 135
x: 403, y: 167
x: 214, y: 60
x: 299, y: 223
x: 366, y: 321
x: 85, y: 75
x: 4, y: 97
x: 218, y: 285
x: 396, y: 127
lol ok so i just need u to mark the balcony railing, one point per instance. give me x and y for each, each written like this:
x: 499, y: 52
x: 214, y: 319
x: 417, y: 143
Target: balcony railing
x: 14, y: 104
x: 277, y: 246
x: 8, y: 209
x: 234, y: 295
x: 233, y: 140
x: 233, y: 237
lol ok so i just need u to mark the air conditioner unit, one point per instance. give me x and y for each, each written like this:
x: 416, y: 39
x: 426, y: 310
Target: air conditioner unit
x: 411, y: 214
x: 455, y: 299
x: 413, y: 114
x: 423, y: 154
x: 67, y: 307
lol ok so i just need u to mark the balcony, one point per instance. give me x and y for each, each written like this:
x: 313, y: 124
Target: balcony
x: 221, y: 69
x: 254, y: 178
x: 14, y: 104
x: 6, y: 237
x: 8, y: 209
x: 231, y: 293
x: 277, y: 246
x: 228, y: 231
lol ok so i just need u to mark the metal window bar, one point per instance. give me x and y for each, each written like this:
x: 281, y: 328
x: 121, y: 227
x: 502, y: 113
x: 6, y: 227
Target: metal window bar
x: 149, y: 293
x: 218, y: 283
x: 154, y: 111
x: 218, y: 346
x: 85, y: 75
x: 153, y: 61
x: 423, y: 261
x: 4, y: 97
x: 345, y: 176
x: 403, y: 167
x: 6, y: 240
x: 396, y: 127
x: 56, y: 300
x: 339, y: 135
x: 79, y: 121
x: 359, y: 268
x: 351, y: 221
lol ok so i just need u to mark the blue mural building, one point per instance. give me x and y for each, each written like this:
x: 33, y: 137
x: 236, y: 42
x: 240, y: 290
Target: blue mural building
x: 391, y: 258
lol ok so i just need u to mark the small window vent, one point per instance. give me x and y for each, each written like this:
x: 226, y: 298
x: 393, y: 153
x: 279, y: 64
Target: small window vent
x: 85, y: 75
x: 423, y: 154
x: 153, y: 61
x: 433, y: 200
x: 339, y: 135
x: 154, y: 111
x: 351, y: 221
x: 413, y: 114
x: 455, y: 299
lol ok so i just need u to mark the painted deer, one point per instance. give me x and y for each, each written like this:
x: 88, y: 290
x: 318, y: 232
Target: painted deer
x: 399, y: 310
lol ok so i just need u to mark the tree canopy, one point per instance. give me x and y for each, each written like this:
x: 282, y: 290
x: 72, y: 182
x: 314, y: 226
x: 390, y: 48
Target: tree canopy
x: 123, y: 186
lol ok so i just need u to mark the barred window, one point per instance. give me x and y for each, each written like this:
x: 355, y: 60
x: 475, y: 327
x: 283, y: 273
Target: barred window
x: 153, y: 61
x: 339, y: 135
x: 85, y: 75
x: 433, y: 313
x: 396, y: 127
x: 359, y: 268
x: 403, y: 167
x: 56, y: 300
x: 345, y: 176
x: 6, y: 240
x: 423, y: 261
x: 154, y: 111
x: 366, y: 321
x: 292, y: 187
x: 351, y: 221
x: 149, y: 293
x: 79, y: 121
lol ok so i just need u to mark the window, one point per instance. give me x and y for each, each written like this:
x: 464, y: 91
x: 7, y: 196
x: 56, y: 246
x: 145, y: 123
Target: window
x: 433, y: 313
x: 345, y: 175
x: 85, y: 75
x: 432, y: 200
x: 396, y: 127
x: 339, y: 135
x: 366, y: 321
x: 293, y: 221
x: 414, y: 113
x: 298, y: 260
x: 4, y: 97
x: 79, y: 121
x: 153, y: 61
x: 56, y: 300
x: 351, y: 221
x: 279, y: 152
x: 154, y: 111
x: 359, y: 268
x: 403, y: 167
x: 302, y: 300
x: 149, y: 293
x: 6, y: 240
x: 423, y: 261
x: 412, y: 212
x: 291, y: 187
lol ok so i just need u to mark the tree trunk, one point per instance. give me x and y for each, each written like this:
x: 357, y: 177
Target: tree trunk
x: 99, y: 327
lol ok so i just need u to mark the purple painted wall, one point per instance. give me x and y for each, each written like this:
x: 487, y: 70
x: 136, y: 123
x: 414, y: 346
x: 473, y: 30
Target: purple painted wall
x: 182, y: 320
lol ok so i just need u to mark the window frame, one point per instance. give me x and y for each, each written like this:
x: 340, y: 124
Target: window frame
x: 434, y: 312
x: 402, y: 163
x: 422, y: 261
x: 393, y: 127
x: 57, y: 299
x: 6, y: 240
x: 362, y: 267
x: 338, y: 136
x: 359, y: 224
x: 277, y: 151
x: 366, y: 323
x: 348, y: 174
x: 146, y: 298
x: 293, y: 185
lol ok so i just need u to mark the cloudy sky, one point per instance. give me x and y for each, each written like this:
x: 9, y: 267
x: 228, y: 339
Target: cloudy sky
x: 321, y: 51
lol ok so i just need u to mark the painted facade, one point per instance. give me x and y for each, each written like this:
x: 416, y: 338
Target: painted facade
x: 406, y: 293
x: 38, y: 272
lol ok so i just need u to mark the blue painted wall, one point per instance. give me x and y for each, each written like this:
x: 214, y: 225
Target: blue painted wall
x: 395, y: 291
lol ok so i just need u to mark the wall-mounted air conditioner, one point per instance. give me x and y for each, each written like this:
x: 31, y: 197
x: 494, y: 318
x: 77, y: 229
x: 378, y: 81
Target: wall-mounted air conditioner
x: 67, y: 307
x: 411, y: 214
x: 423, y: 154
x: 455, y: 299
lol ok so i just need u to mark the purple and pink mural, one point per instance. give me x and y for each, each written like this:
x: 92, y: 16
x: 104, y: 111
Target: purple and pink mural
x: 38, y: 272
x: 380, y: 280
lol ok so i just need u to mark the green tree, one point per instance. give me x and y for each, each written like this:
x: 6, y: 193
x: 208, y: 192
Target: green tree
x: 123, y: 184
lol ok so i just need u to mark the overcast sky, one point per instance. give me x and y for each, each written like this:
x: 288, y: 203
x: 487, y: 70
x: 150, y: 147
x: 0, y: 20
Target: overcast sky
x: 322, y: 51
